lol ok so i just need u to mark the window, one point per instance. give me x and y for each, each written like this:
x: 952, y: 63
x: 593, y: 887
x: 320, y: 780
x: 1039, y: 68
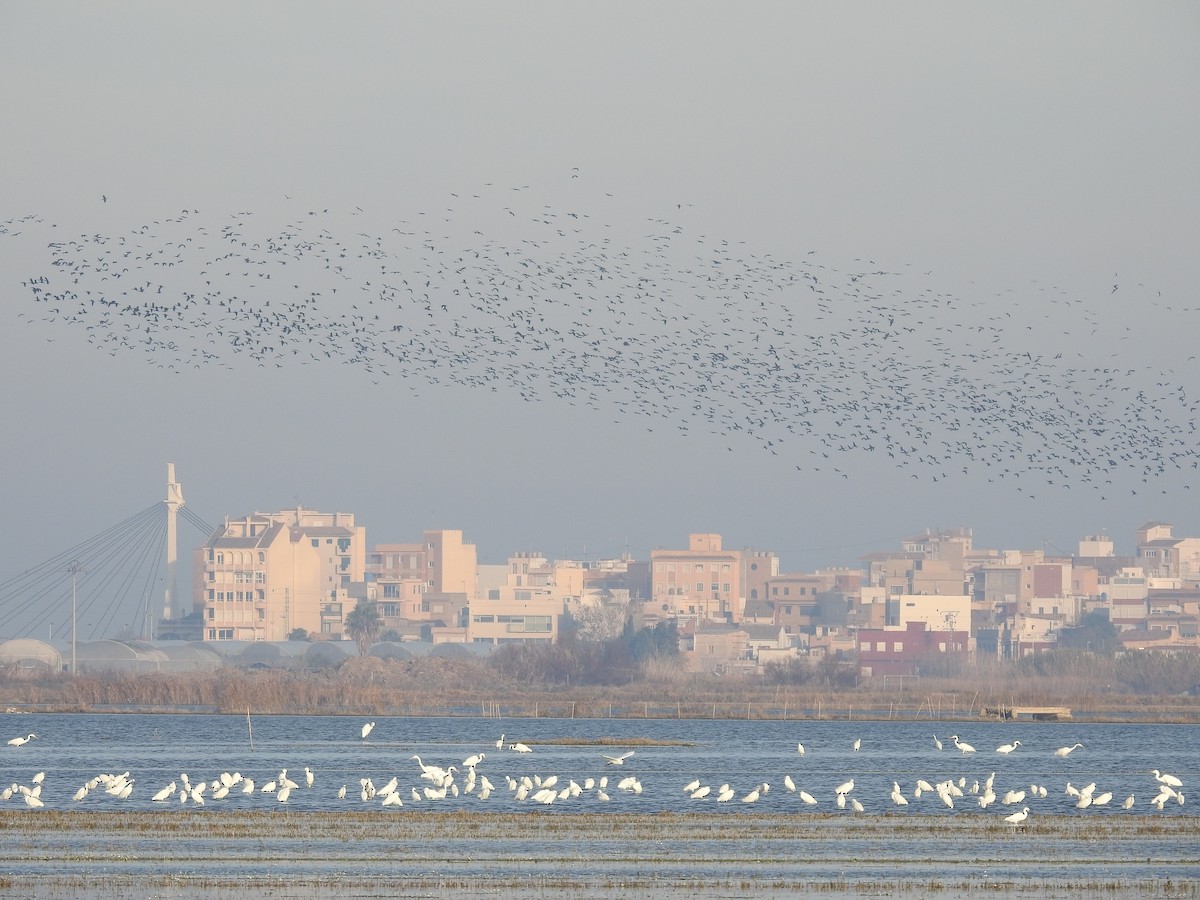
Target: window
x: 220, y: 559
x: 715, y: 587
x: 699, y: 586
x: 881, y: 646
x: 391, y: 590
x: 898, y: 646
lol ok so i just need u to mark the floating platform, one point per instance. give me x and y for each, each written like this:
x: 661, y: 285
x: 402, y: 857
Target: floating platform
x: 1034, y: 713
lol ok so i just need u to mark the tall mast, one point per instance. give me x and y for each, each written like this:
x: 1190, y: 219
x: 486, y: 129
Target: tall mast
x: 174, y: 501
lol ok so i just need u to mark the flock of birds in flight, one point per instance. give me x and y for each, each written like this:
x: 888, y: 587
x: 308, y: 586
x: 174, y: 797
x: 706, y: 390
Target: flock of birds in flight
x: 649, y: 320
x: 442, y: 783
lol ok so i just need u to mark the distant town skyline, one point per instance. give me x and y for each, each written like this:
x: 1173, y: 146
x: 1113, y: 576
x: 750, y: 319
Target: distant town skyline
x: 1016, y: 184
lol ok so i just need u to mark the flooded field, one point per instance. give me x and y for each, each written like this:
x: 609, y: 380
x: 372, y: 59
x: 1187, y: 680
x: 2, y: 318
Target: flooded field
x: 164, y: 806
x: 382, y: 853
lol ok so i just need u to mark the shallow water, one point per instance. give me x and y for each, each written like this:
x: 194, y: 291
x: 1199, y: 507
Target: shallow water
x: 316, y: 842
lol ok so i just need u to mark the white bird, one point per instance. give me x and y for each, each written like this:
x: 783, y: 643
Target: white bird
x: 701, y: 793
x: 1018, y: 817
x: 1008, y: 748
x: 392, y: 800
x: 165, y: 793
x: 520, y: 748
x: 936, y: 742
x: 841, y: 801
x: 845, y: 787
x: 1128, y: 804
x: 800, y: 749
x: 1160, y: 777
x: 471, y: 761
x: 1012, y: 798
x: 248, y: 786
x: 808, y: 798
x: 959, y: 745
x: 858, y: 807
x: 857, y: 744
x: 342, y: 792
x: 618, y: 760
x: 691, y: 786
x: 366, y: 729
x: 789, y: 784
x: 308, y: 776
x: 39, y: 777
x: 751, y: 797
x: 283, y: 795
x: 1103, y: 799
x: 725, y: 794
x: 500, y: 743
x: 21, y: 741
x: 31, y: 800
x: 81, y: 793
x: 1066, y: 751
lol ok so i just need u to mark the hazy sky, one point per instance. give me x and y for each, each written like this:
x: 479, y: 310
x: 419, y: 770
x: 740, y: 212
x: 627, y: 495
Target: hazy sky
x: 1002, y: 148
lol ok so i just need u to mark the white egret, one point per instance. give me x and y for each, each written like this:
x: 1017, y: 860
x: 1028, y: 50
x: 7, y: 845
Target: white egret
x: 751, y: 797
x: 31, y: 800
x: 472, y: 761
x: 858, y: 807
x: 500, y: 743
x: 691, y: 786
x: 936, y: 742
x: 392, y: 800
x: 342, y: 792
x: 1128, y: 804
x: 308, y: 776
x: 845, y: 787
x: 366, y: 729
x: 520, y: 748
x: 1012, y: 798
x: 808, y: 798
x: 959, y: 745
x: 81, y: 793
x: 1066, y: 751
x: 857, y: 744
x: 248, y: 786
x: 1160, y: 777
x: 725, y: 794
x: 1103, y: 799
x: 789, y: 784
x: 602, y: 796
x: 800, y: 749
x: 283, y: 795
x: 841, y: 801
x: 1008, y: 748
x: 618, y: 760
x: 701, y: 793
x: 39, y: 777
x: 1018, y: 817
x: 21, y: 741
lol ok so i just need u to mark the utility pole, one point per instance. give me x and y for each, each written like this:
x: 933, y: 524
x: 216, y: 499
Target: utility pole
x: 75, y: 569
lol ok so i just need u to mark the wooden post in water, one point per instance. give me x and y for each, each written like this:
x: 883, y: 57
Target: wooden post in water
x: 249, y: 728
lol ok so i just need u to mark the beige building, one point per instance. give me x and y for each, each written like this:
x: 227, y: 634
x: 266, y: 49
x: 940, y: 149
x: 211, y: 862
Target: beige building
x: 425, y: 587
x: 700, y: 583
x: 257, y: 580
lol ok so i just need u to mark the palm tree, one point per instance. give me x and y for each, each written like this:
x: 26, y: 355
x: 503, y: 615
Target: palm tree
x: 364, y: 624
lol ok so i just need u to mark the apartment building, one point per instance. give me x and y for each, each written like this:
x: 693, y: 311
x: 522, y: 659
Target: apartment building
x: 700, y: 583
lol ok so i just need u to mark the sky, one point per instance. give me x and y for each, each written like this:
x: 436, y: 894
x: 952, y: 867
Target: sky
x: 1018, y: 178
